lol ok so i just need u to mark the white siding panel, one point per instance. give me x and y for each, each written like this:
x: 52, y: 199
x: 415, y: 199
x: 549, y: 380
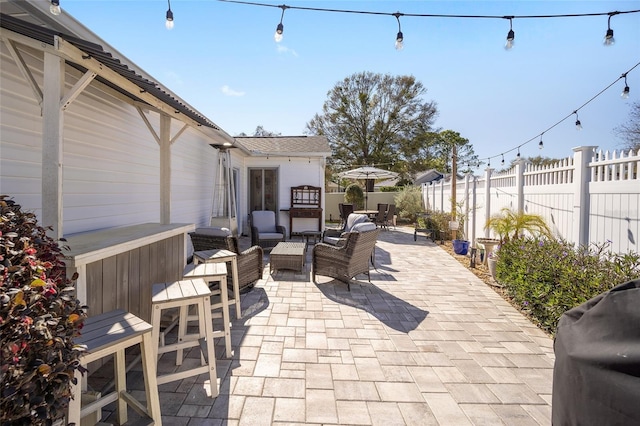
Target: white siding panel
x: 111, y: 174
x: 20, y: 136
x: 194, y: 165
x: 111, y: 164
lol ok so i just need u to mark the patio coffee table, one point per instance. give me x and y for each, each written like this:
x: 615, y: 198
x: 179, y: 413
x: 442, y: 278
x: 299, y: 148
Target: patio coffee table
x: 287, y: 255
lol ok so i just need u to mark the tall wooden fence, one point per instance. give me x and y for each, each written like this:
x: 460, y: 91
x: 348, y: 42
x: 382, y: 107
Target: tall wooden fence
x: 591, y: 197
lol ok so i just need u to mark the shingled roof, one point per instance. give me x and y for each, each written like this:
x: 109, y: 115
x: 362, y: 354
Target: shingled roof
x: 286, y: 145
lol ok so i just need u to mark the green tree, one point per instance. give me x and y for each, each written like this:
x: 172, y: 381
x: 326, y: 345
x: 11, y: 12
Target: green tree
x: 535, y: 161
x: 629, y: 132
x: 261, y: 131
x: 373, y: 119
x: 441, y: 151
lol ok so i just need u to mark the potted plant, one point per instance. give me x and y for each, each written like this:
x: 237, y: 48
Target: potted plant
x: 510, y: 225
x: 460, y: 244
x: 39, y: 318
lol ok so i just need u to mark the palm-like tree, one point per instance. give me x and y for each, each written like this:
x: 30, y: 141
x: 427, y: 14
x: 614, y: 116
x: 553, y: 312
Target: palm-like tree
x: 512, y: 225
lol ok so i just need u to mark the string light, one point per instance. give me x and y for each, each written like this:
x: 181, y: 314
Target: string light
x: 518, y: 155
x: 510, y: 35
x: 625, y: 91
x: 169, y: 22
x: 578, y: 123
x: 399, y: 36
x: 541, y: 144
x: 608, y: 37
x: 502, y: 162
x: 280, y: 28
x: 54, y: 8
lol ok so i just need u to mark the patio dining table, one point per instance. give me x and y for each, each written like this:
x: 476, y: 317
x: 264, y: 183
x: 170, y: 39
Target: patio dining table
x: 370, y: 213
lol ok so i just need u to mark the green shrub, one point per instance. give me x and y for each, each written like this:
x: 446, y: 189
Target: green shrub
x: 390, y: 188
x: 39, y: 317
x: 353, y: 194
x: 547, y: 277
x: 409, y: 203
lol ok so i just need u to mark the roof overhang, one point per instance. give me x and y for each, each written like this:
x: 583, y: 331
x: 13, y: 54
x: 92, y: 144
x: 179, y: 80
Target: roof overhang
x: 30, y: 24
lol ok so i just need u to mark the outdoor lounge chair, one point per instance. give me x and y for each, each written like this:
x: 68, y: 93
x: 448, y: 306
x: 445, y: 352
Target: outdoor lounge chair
x: 349, y: 259
x: 333, y: 235
x: 265, y: 231
x: 250, y: 261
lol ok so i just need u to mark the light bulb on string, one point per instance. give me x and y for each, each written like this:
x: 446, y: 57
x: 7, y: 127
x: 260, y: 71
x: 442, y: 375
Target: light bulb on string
x: 54, y: 8
x: 502, y: 162
x: 578, y: 123
x: 511, y: 35
x: 608, y: 37
x: 540, y: 144
x: 399, y: 37
x: 518, y: 154
x: 625, y: 91
x: 280, y: 28
x: 169, y: 22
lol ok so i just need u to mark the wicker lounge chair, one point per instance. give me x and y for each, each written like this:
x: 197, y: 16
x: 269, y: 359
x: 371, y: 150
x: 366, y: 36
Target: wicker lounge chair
x: 250, y: 261
x: 265, y: 232
x: 347, y: 260
x: 334, y: 235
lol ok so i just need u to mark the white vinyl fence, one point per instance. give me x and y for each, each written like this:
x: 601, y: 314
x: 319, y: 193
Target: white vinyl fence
x: 592, y: 197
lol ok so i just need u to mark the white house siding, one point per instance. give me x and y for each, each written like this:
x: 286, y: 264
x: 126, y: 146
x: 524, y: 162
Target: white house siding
x: 292, y: 171
x: 194, y: 164
x: 111, y: 160
x: 20, y: 135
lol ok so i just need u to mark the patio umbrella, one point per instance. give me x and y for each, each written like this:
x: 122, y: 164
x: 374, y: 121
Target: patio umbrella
x: 367, y: 172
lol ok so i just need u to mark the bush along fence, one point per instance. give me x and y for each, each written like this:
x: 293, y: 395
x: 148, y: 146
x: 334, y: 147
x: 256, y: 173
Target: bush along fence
x: 592, y: 197
x: 546, y: 277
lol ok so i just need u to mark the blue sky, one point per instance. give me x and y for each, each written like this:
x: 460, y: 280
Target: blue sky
x: 221, y: 59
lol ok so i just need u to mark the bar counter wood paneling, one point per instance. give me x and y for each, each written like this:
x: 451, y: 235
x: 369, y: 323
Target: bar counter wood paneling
x: 117, y: 267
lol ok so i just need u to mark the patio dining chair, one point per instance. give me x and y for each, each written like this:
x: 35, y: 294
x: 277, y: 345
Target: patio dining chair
x: 388, y: 217
x: 345, y: 210
x: 381, y: 216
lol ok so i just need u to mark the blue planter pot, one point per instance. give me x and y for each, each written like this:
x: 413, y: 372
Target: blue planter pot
x: 460, y: 247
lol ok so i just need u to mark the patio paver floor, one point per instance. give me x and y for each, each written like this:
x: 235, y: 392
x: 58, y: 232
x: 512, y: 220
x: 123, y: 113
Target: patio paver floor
x: 426, y: 342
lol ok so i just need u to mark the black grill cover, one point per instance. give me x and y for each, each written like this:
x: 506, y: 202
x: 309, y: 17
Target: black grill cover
x: 596, y: 377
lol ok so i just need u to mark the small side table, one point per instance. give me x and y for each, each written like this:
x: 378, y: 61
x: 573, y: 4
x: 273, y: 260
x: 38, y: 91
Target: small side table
x: 219, y: 256
x: 307, y: 235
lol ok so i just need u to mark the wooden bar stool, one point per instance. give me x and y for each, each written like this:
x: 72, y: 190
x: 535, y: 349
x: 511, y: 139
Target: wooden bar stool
x: 223, y: 256
x: 181, y: 295
x: 110, y: 334
x: 219, y: 297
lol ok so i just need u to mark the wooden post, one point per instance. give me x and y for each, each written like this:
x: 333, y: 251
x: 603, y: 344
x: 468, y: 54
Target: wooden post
x: 52, y: 146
